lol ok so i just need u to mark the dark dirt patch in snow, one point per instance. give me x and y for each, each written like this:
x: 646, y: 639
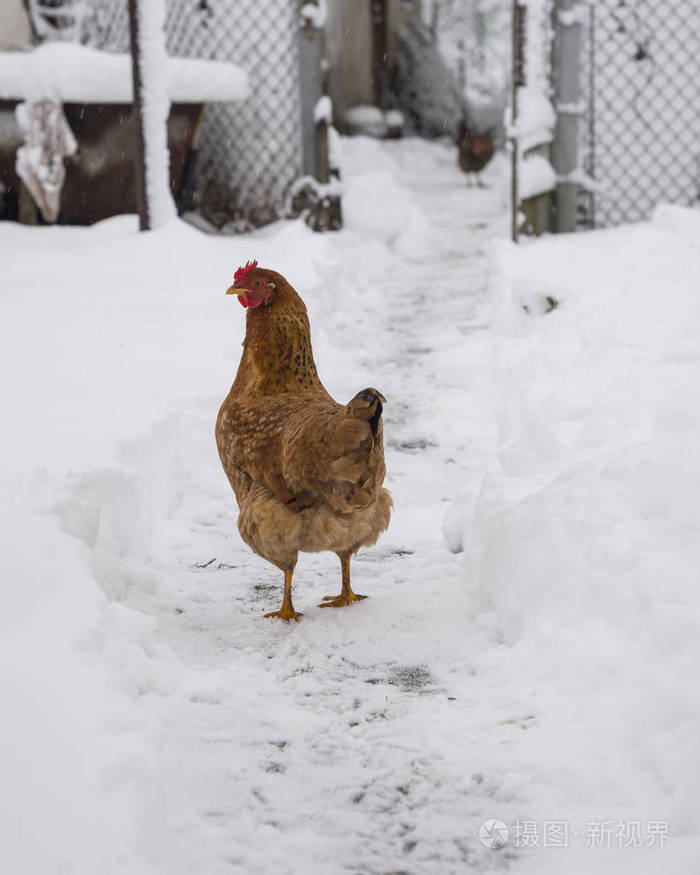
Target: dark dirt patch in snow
x: 412, y: 445
x: 410, y: 677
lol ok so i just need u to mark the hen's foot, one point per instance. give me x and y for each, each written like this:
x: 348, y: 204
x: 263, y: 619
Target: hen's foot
x: 285, y: 614
x: 340, y: 601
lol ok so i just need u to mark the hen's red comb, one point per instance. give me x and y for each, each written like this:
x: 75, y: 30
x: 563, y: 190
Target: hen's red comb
x: 242, y: 272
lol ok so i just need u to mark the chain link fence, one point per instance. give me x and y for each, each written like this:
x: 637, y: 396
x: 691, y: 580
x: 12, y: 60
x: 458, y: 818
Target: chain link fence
x: 642, y: 137
x: 637, y: 68
x: 249, y: 152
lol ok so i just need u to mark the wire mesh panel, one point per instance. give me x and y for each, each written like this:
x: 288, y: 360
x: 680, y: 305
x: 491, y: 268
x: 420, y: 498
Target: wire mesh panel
x: 250, y: 152
x: 643, y: 135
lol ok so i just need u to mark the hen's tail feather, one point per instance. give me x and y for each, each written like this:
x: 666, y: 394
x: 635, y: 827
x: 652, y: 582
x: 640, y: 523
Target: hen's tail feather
x: 346, y: 469
x: 358, y: 469
x: 367, y: 406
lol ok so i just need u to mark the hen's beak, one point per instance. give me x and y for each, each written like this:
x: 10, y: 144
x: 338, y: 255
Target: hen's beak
x: 232, y: 290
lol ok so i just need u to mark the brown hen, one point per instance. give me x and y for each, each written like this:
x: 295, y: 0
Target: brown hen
x: 475, y: 150
x: 307, y: 472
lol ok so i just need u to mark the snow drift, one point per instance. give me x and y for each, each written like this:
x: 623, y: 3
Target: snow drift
x: 585, y: 544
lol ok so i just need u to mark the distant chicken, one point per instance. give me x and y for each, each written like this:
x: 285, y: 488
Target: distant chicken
x: 474, y: 150
x: 307, y: 472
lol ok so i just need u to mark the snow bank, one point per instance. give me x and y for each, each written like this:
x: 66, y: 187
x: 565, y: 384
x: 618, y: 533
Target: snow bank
x: 78, y: 74
x: 393, y: 218
x: 586, y: 538
x: 107, y: 341
x: 77, y: 756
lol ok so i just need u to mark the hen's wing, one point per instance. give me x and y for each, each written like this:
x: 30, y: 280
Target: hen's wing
x: 335, y: 454
x: 249, y: 437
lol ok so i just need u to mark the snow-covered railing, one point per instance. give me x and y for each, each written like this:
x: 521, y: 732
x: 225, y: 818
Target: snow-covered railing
x: 72, y: 73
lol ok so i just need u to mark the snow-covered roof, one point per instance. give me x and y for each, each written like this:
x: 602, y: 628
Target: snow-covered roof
x: 78, y: 74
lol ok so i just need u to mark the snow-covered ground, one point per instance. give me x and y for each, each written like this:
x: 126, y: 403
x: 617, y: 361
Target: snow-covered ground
x: 154, y: 722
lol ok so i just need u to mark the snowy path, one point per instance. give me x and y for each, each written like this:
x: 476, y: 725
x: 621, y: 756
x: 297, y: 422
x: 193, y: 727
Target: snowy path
x: 349, y: 742
x: 155, y: 724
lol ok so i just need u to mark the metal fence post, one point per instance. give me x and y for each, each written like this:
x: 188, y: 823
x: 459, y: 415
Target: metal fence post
x: 380, y: 69
x: 322, y: 206
x: 137, y: 109
x: 565, y: 150
x: 311, y: 86
x: 518, y: 20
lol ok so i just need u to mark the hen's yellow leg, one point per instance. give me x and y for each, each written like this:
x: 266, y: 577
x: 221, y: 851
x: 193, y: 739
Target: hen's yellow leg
x: 347, y: 596
x: 286, y: 612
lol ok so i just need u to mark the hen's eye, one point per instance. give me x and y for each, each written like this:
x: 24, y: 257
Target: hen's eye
x: 257, y: 283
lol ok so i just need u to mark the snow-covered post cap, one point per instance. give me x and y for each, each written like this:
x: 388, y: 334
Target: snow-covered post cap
x: 314, y: 14
x: 576, y: 13
x: 323, y: 111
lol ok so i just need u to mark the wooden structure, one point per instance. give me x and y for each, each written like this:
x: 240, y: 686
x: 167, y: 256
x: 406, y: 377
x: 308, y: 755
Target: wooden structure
x: 100, y: 176
x: 15, y: 27
x: 94, y: 91
x: 361, y: 48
